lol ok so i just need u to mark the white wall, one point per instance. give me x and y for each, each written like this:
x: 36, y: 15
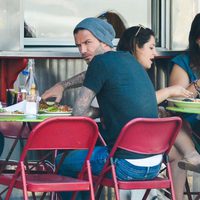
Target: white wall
x: 183, y: 12
x: 11, y: 22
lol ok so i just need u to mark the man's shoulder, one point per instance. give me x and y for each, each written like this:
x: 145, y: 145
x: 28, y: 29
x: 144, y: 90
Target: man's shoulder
x: 113, y: 54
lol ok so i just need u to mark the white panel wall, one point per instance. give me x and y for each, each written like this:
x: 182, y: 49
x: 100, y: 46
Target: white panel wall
x: 183, y: 12
x: 11, y: 21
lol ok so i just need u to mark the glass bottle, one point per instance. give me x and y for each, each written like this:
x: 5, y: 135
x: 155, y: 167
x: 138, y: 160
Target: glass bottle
x: 32, y: 93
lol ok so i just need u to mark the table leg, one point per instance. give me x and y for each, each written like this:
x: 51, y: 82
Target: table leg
x: 3, y: 166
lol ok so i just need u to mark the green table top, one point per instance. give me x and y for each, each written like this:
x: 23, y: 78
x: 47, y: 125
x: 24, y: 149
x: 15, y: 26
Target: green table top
x: 184, y: 110
x: 28, y: 118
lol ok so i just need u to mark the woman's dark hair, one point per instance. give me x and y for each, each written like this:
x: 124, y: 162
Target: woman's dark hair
x: 116, y: 20
x: 28, y: 32
x: 194, y: 49
x: 135, y: 35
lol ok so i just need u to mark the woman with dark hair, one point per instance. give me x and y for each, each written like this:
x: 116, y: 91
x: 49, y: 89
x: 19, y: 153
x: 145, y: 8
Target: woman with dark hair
x: 186, y: 72
x: 140, y: 42
x: 186, y: 67
x: 116, y: 20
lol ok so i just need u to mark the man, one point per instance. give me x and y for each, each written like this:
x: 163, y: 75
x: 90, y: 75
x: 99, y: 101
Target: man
x: 122, y: 88
x: 91, y: 44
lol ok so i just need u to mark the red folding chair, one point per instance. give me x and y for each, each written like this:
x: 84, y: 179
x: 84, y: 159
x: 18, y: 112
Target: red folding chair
x: 59, y: 133
x: 145, y: 136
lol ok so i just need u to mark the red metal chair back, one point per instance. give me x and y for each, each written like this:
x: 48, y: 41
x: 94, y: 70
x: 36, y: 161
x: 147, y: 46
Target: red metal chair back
x: 145, y: 136
x: 148, y: 136
x: 63, y: 133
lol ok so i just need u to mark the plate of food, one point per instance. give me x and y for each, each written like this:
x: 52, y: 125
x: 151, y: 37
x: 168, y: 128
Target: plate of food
x: 9, y: 114
x: 53, y: 108
x: 185, y: 102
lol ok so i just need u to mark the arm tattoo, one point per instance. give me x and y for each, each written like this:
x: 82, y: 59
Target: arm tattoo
x: 74, y: 82
x: 82, y: 105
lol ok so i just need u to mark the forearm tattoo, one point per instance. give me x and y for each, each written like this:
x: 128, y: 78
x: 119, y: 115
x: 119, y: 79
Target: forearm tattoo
x: 74, y: 82
x: 82, y: 104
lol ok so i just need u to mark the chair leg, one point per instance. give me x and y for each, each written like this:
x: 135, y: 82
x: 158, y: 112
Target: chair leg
x: 90, y: 180
x: 3, y: 192
x: 187, y: 188
x: 8, y: 194
x: 98, y: 193
x: 171, y: 182
x: 115, y: 179
x: 43, y: 196
x: 146, y: 194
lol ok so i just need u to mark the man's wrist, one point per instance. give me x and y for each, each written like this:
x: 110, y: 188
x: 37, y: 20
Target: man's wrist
x: 64, y: 84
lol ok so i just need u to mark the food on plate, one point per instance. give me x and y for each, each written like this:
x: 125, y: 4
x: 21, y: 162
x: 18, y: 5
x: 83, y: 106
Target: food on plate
x: 191, y: 100
x: 2, y: 110
x: 187, y: 100
x: 192, y: 103
x: 17, y: 112
x: 53, y: 107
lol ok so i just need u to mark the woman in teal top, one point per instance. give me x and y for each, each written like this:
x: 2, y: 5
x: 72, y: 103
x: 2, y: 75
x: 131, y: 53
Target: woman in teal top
x: 183, y: 62
x: 186, y: 72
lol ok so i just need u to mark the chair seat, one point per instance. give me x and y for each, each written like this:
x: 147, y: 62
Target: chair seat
x: 47, y: 182
x: 148, y: 184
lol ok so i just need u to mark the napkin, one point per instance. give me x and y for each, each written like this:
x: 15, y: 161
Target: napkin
x: 21, y: 106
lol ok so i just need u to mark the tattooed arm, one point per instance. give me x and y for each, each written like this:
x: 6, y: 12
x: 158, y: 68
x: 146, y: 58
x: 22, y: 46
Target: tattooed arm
x: 75, y: 81
x: 58, y: 89
x: 82, y: 106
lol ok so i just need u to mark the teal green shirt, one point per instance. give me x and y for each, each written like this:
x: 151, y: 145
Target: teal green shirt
x: 123, y: 88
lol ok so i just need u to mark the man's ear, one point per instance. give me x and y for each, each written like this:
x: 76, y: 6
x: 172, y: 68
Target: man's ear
x: 104, y: 45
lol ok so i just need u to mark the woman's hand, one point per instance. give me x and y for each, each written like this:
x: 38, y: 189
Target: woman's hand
x: 179, y: 91
x: 172, y: 91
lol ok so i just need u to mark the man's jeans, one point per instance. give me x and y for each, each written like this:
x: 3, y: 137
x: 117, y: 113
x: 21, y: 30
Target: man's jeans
x: 124, y: 170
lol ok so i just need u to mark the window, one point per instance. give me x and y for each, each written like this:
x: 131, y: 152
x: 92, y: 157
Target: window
x: 52, y: 22
x: 170, y: 22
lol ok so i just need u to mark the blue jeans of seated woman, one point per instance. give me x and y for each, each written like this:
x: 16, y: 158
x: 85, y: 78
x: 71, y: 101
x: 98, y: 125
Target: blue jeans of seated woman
x: 124, y: 170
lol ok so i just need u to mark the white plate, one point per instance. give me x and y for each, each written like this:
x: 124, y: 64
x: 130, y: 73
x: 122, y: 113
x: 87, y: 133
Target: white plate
x: 184, y: 104
x: 16, y: 116
x: 54, y: 113
x: 10, y: 115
